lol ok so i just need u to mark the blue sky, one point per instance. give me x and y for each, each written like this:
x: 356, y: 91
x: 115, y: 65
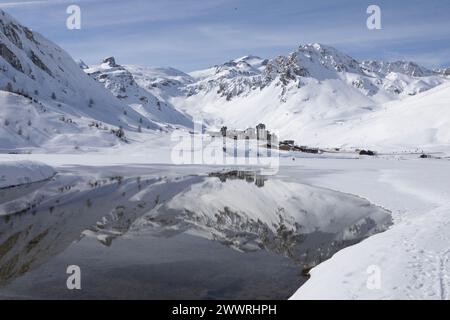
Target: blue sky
x: 195, y: 34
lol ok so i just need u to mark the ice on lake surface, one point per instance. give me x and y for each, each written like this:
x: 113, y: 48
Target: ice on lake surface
x: 173, y: 233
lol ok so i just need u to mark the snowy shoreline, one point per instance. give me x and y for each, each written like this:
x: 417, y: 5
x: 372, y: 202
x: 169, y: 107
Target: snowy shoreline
x: 16, y: 173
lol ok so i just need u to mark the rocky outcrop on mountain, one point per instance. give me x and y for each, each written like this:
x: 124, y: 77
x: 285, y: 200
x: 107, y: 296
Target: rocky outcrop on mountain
x: 230, y: 79
x: 114, y: 77
x: 10, y: 57
x: 285, y: 68
x: 111, y: 61
x: 327, y: 57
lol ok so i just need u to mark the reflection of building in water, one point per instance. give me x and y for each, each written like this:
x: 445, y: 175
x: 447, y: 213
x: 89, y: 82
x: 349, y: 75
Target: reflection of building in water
x: 261, y: 132
x: 250, y: 179
x: 248, y: 176
x: 260, y: 181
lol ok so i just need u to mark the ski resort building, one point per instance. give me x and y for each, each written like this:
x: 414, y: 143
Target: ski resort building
x: 258, y: 133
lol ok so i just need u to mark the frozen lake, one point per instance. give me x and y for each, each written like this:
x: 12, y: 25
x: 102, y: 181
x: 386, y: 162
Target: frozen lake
x: 161, y: 232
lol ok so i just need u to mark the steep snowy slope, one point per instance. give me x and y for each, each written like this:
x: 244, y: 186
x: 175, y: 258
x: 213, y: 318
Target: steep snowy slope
x: 419, y: 122
x: 39, y: 78
x: 27, y: 125
x: 122, y: 84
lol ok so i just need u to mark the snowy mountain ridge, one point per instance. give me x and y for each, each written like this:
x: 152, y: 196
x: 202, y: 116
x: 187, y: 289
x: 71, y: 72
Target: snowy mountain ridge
x: 50, y: 101
x: 316, y: 61
x: 305, y: 94
x: 405, y: 67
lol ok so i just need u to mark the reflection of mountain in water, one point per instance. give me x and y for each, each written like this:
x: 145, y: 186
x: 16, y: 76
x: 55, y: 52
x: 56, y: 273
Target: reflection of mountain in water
x: 242, y: 210
x: 239, y: 210
x: 249, y: 176
x: 39, y: 221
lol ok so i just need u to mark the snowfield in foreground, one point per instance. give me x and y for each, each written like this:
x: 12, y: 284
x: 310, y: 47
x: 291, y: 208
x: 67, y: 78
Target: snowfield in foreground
x: 22, y: 172
x: 413, y: 256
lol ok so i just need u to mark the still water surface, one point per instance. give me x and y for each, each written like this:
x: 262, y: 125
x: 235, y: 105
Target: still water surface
x: 156, y: 233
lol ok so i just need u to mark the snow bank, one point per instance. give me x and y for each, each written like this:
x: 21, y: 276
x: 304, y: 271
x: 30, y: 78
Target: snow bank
x: 409, y: 261
x: 23, y: 172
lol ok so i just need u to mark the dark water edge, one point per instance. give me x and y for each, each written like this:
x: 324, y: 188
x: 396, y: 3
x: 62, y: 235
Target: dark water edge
x: 135, y: 235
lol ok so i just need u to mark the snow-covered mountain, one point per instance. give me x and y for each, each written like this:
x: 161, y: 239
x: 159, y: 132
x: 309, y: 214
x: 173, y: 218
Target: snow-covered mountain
x: 302, y: 95
x: 380, y: 80
x: 47, y: 100
x: 50, y: 101
x: 122, y: 84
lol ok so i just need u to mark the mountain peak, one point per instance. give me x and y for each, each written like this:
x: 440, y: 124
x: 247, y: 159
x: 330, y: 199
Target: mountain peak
x: 82, y: 64
x: 248, y: 59
x: 312, y: 60
x: 111, y: 62
x: 316, y: 46
x: 321, y: 49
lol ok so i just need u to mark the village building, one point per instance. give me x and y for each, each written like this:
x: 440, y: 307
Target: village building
x: 258, y: 133
x: 261, y: 133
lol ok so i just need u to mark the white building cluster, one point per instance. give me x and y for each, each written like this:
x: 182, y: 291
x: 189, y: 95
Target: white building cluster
x: 259, y: 133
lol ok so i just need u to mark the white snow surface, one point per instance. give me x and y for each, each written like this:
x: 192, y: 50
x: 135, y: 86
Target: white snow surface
x: 15, y: 173
x: 413, y: 255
